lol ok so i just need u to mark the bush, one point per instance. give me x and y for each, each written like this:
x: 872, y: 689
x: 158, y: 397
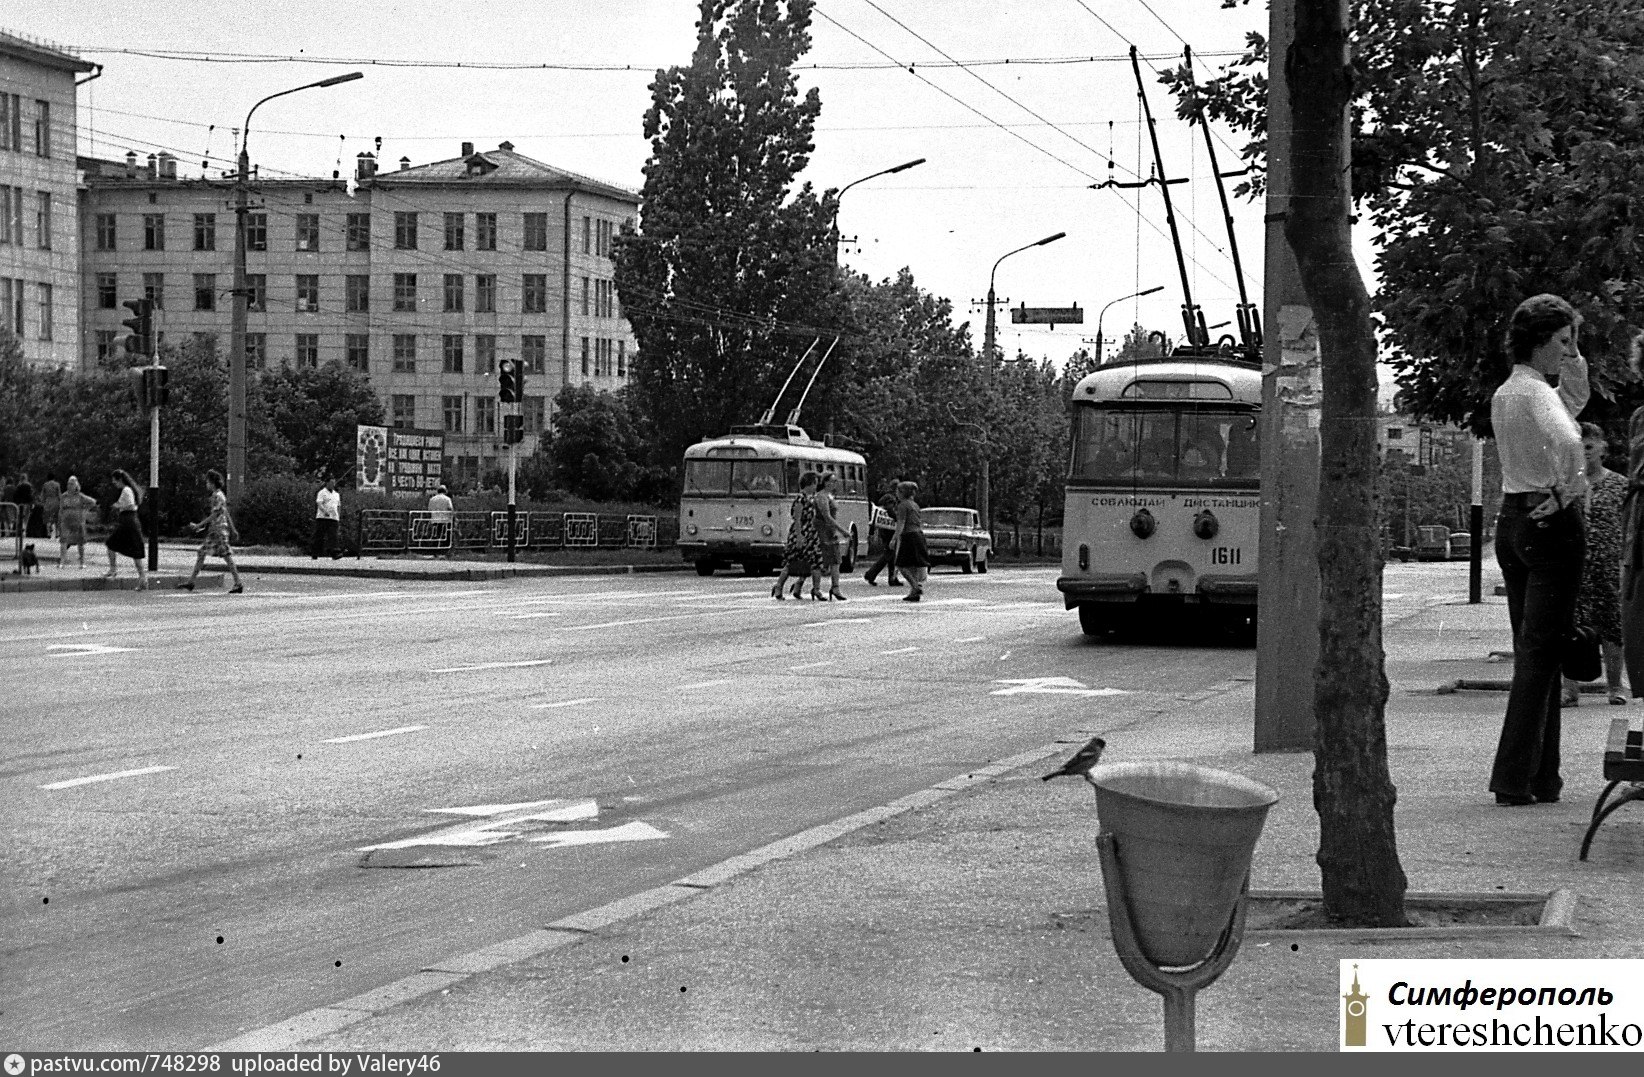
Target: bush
x: 276, y: 511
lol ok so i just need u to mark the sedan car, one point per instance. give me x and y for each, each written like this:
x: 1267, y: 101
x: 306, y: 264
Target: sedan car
x: 955, y: 536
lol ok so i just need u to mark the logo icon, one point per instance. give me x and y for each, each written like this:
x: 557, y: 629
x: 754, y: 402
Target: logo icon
x: 1353, y: 1014
x: 14, y: 1065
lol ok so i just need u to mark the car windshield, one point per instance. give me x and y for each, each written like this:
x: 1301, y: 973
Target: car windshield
x: 946, y: 518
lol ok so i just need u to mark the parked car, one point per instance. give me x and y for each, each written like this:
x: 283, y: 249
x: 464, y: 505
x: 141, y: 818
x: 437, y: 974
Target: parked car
x: 1461, y: 546
x: 955, y: 536
x: 1432, y: 543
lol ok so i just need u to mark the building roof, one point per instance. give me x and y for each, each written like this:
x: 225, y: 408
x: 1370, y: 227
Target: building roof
x: 501, y: 167
x: 38, y: 51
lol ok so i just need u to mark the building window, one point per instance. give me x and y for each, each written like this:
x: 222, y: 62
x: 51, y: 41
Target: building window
x: 485, y: 231
x: 45, y: 308
x: 11, y: 121
x: 105, y: 345
x: 359, y: 231
x: 404, y: 412
x: 533, y: 353
x: 308, y: 292
x: 154, y: 289
x: 536, y: 231
x: 453, y: 291
x: 485, y: 293
x: 535, y: 412
x: 405, y: 231
x: 308, y: 350
x: 451, y: 411
x: 256, y: 351
x: 1395, y: 433
x: 42, y: 219
x: 205, y: 231
x: 205, y: 291
x: 534, y: 296
x: 357, y: 293
x: 602, y: 357
x: 11, y: 304
x: 584, y: 356
x: 405, y: 353
x: 585, y: 291
x: 602, y: 298
x: 256, y: 292
x: 622, y: 358
x: 308, y: 231
x: 154, y: 231
x: 485, y: 415
x: 107, y: 291
x: 405, y: 292
x: 587, y: 236
x: 256, y: 231
x: 451, y: 351
x: 105, y: 231
x: 453, y: 231
x: 357, y: 352
x: 485, y: 353
x: 42, y: 134
x: 602, y: 238
x: 11, y: 214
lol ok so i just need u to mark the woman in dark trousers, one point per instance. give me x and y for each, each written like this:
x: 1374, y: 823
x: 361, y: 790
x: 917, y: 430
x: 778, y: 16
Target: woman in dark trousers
x: 1541, y: 537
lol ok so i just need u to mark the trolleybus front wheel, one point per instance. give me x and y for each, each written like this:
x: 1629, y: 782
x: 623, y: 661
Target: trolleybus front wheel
x: 1094, y: 620
x: 705, y: 567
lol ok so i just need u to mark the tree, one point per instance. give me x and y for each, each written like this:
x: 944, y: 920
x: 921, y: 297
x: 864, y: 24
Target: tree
x: 594, y: 446
x: 315, y: 411
x: 733, y: 273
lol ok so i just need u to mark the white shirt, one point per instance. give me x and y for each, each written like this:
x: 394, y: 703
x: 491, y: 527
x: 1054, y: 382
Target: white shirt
x: 1536, y: 433
x: 127, y: 501
x: 327, y: 504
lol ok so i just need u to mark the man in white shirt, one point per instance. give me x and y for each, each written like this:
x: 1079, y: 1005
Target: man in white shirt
x: 327, y: 521
x: 1541, y: 537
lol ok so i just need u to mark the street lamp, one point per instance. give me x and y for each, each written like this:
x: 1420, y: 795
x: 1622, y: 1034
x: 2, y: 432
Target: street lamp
x: 1100, y: 357
x: 983, y: 507
x: 236, y: 331
x: 903, y: 167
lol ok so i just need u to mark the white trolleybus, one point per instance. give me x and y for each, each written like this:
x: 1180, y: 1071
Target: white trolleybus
x: 1163, y: 493
x: 739, y: 492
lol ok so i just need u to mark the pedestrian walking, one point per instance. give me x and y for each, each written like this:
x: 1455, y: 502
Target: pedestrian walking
x: 801, y: 556
x: 1598, y: 604
x: 51, y: 495
x: 220, y: 533
x: 72, y: 507
x: 884, y: 520
x: 23, y: 497
x: 909, y: 541
x: 440, y: 505
x: 1541, y: 537
x: 327, y: 521
x: 829, y: 532
x: 126, y: 540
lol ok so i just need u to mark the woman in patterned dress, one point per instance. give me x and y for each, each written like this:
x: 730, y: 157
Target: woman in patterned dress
x: 802, y: 552
x: 1599, y: 604
x: 219, y: 529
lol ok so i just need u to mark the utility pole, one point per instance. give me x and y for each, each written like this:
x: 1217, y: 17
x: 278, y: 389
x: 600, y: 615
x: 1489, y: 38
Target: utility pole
x: 1287, y: 611
x: 1475, y: 523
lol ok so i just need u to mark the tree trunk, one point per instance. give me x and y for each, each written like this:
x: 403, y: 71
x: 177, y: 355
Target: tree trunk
x: 1353, y: 792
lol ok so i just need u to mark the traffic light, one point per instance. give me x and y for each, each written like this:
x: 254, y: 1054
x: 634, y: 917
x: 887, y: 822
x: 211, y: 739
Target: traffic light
x: 510, y: 381
x: 513, y: 429
x: 141, y: 324
x: 155, y: 392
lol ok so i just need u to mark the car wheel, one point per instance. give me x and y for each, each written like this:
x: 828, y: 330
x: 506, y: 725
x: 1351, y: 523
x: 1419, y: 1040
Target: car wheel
x: 1093, y: 620
x: 982, y: 565
x: 968, y: 565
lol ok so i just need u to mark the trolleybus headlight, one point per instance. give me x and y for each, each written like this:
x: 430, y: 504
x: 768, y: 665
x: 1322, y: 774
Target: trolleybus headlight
x: 690, y: 529
x: 1142, y: 524
x: 766, y: 530
x: 1205, y: 524
x: 1084, y: 557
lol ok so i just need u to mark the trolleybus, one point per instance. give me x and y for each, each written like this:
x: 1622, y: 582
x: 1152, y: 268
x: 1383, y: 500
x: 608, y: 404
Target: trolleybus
x: 739, y: 490
x: 1163, y: 493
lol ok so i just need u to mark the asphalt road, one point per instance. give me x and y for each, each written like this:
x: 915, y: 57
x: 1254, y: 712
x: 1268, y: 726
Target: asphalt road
x: 248, y: 751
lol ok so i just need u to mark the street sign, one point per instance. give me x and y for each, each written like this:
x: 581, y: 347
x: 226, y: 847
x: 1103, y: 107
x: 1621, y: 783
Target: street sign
x: 1052, y: 316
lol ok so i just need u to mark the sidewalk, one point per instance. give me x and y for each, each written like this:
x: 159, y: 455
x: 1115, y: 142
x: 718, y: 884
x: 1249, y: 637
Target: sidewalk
x: 977, y: 918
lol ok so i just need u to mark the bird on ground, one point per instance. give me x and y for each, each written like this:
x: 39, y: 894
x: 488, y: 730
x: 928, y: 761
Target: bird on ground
x: 1082, y: 760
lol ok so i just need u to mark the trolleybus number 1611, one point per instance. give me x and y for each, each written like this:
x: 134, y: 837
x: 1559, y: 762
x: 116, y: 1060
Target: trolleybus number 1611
x: 1224, y: 555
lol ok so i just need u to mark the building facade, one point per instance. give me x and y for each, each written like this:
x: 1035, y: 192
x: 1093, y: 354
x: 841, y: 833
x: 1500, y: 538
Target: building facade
x: 39, y: 231
x: 422, y: 278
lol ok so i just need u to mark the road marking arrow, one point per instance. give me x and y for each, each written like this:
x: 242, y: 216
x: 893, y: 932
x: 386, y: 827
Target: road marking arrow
x: 635, y: 831
x: 80, y: 650
x: 504, y: 823
x: 1052, y: 686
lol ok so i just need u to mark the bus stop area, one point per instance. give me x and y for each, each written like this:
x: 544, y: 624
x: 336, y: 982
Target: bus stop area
x: 971, y: 916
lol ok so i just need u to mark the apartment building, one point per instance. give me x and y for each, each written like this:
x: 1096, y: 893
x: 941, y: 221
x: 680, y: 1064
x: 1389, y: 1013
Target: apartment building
x: 423, y: 278
x: 39, y: 232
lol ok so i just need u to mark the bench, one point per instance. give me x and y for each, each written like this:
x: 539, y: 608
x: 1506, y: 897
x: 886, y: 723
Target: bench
x: 1623, y: 762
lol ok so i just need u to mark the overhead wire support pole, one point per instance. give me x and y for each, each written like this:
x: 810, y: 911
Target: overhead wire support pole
x: 1250, y: 326
x: 1192, y: 318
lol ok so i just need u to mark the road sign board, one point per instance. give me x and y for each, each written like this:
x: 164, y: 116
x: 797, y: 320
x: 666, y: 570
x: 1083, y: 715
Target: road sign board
x: 1052, y: 316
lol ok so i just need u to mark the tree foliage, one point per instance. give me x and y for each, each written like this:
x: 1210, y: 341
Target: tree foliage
x: 595, y: 449
x: 314, y: 410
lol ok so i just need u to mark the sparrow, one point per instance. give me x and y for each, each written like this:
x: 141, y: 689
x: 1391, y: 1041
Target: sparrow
x: 1082, y: 760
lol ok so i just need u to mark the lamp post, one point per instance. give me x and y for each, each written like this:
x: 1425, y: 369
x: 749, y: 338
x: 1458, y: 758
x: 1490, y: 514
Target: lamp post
x: 1100, y: 357
x: 903, y: 167
x: 236, y: 331
x: 983, y: 507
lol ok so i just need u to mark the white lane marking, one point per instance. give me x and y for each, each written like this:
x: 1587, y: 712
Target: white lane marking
x: 972, y: 639
x: 72, y: 782
x: 837, y: 621
x: 565, y: 703
x: 493, y: 665
x: 503, y: 824
x: 1006, y: 655
x: 378, y: 733
x: 644, y: 621
x: 1052, y: 686
x: 900, y: 650
x: 83, y: 650
x: 810, y: 665
x: 529, y: 616
x: 703, y: 684
x: 634, y: 831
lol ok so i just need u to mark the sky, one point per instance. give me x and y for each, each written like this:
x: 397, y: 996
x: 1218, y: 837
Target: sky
x: 1011, y: 149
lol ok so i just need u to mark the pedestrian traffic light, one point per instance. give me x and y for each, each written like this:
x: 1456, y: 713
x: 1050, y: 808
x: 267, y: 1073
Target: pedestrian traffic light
x: 510, y: 381
x: 513, y: 429
x: 155, y: 392
x: 141, y: 324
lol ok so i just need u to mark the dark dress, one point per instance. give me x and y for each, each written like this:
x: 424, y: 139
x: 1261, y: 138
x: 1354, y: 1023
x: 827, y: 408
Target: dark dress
x: 910, y: 551
x: 127, y: 537
x: 1599, y: 604
x: 803, y: 550
x: 33, y: 521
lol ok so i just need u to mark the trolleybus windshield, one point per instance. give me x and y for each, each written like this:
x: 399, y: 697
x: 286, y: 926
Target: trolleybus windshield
x: 1154, y: 446
x: 733, y: 478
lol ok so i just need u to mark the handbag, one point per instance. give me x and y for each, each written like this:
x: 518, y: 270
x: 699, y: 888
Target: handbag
x: 1580, y: 655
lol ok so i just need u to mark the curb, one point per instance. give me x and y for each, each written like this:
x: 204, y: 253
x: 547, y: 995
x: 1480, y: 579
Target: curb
x: 440, y: 975
x: 158, y: 581
x: 1557, y: 918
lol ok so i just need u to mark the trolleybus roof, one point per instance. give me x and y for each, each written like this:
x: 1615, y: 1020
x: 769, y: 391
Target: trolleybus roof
x: 1242, y: 380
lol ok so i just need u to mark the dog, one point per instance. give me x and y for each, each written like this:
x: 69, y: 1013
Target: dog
x: 29, y: 562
